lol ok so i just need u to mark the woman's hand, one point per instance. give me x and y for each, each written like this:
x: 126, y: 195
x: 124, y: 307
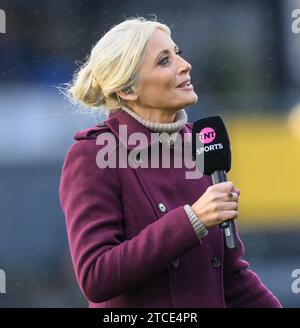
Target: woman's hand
x: 215, y: 207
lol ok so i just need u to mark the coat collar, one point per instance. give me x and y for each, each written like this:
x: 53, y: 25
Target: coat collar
x: 119, y: 117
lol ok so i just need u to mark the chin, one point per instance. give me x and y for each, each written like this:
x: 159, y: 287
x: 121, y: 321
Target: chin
x: 185, y: 102
x: 193, y: 100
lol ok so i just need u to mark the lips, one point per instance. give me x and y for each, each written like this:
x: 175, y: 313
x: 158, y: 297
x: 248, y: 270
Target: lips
x: 184, y: 83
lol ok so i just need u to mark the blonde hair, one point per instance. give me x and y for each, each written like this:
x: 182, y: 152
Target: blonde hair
x: 113, y: 64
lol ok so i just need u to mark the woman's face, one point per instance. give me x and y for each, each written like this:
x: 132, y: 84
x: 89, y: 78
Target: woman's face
x: 162, y: 70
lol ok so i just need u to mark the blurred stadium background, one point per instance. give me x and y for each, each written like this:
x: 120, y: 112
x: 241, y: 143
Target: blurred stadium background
x: 246, y: 68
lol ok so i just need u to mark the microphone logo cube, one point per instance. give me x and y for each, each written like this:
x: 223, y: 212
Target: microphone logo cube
x: 207, y: 135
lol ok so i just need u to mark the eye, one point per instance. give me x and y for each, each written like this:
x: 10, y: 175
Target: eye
x: 163, y: 61
x: 178, y: 52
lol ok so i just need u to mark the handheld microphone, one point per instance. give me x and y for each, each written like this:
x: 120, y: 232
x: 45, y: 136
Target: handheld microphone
x: 212, y: 152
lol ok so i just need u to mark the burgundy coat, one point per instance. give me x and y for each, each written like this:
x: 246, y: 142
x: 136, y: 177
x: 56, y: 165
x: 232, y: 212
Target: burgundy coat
x: 131, y: 242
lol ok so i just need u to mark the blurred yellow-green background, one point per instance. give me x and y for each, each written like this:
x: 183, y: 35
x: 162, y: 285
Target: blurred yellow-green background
x: 265, y: 166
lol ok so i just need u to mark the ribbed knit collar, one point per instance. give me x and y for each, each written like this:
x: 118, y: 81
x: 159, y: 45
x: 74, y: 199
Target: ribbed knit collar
x: 119, y: 117
x: 179, y: 122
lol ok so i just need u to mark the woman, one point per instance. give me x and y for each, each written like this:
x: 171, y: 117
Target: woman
x: 143, y: 236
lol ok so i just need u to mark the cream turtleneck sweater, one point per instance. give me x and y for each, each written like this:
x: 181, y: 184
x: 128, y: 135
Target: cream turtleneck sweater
x: 179, y: 122
x: 171, y: 129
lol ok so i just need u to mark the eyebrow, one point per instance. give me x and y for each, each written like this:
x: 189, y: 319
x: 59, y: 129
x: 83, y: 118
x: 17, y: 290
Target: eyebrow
x: 166, y: 51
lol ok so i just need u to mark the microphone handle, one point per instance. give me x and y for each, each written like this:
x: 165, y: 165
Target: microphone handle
x: 228, y: 226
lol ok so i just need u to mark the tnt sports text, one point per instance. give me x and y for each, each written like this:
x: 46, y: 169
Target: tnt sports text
x: 209, y: 148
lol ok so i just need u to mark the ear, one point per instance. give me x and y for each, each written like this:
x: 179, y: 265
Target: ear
x: 128, y: 94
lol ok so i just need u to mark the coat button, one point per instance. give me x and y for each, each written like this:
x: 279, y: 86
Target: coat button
x: 175, y: 263
x: 216, y: 262
x: 162, y: 207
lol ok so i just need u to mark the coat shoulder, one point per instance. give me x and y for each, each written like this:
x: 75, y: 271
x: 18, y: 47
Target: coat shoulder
x: 91, y: 132
x: 85, y: 144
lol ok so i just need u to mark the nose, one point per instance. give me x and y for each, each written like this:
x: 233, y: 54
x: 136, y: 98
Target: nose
x: 184, y: 66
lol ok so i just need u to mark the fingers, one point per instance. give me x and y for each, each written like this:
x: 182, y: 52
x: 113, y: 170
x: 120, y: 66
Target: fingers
x: 236, y: 190
x: 222, y: 199
x: 225, y: 197
x: 227, y: 206
x: 231, y: 196
x: 229, y: 215
x: 226, y: 186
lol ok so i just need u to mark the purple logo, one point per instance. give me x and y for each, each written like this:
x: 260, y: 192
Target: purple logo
x: 207, y: 135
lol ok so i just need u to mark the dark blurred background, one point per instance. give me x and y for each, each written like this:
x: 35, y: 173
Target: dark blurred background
x: 246, y: 68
